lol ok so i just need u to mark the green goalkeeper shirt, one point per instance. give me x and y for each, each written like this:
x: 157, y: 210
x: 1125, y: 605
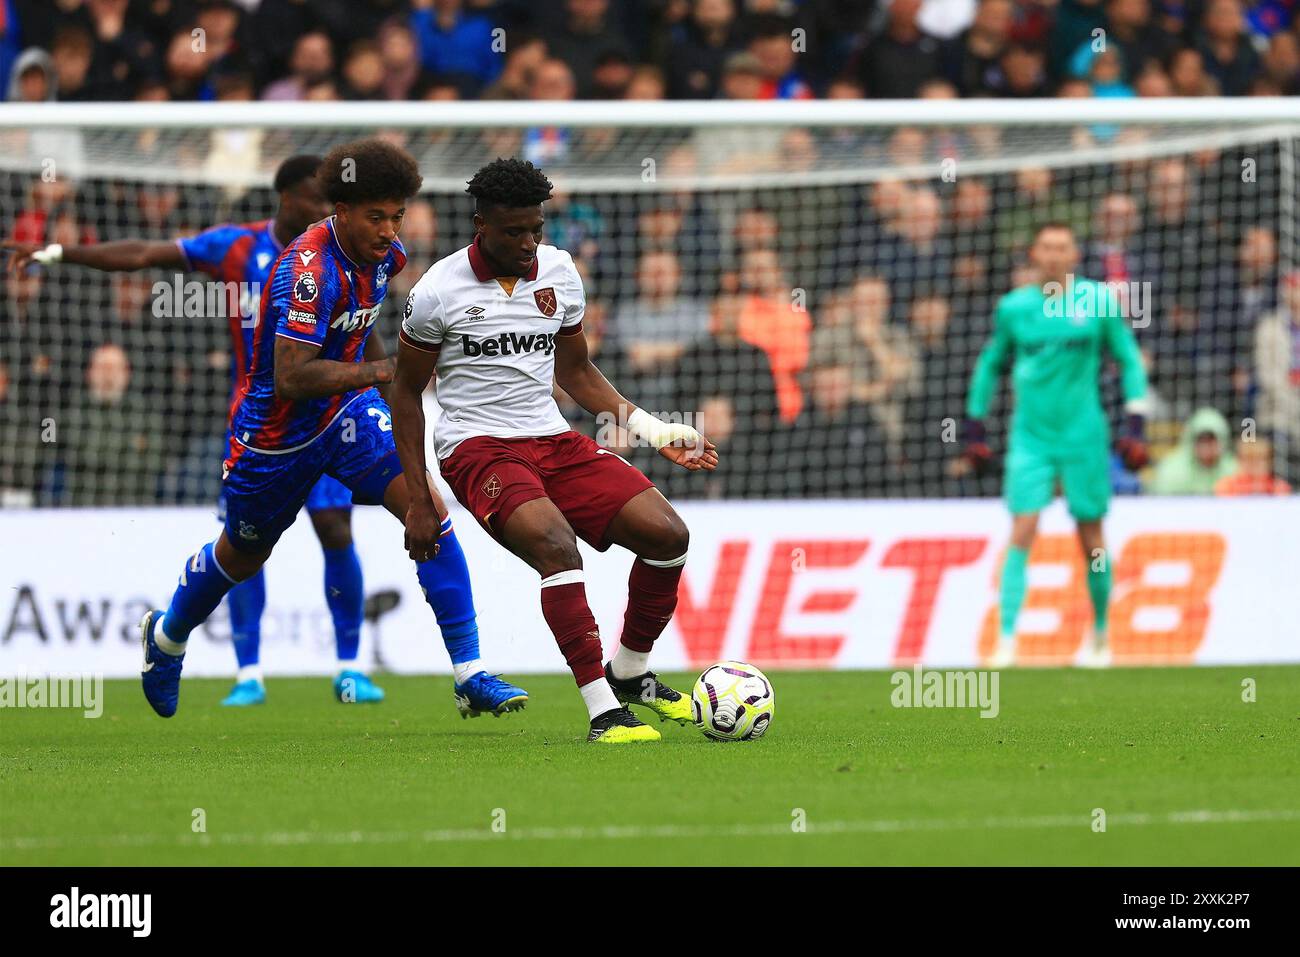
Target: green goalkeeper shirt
x: 1056, y: 346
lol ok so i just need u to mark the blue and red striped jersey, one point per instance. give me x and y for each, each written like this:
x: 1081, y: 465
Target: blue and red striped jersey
x: 242, y: 254
x: 315, y: 294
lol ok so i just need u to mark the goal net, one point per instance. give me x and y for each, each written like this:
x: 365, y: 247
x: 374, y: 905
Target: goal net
x: 808, y: 284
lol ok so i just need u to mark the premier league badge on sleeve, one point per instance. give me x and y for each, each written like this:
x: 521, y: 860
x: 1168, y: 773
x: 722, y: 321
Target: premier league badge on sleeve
x: 545, y: 301
x: 410, y: 307
x: 304, y: 290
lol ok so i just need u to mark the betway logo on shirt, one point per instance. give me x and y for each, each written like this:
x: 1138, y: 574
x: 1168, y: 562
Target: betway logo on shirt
x: 509, y: 343
x: 360, y: 319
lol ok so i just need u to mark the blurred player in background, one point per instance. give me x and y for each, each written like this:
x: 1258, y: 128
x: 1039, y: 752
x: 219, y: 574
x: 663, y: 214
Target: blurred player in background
x: 1054, y: 332
x: 499, y: 322
x: 243, y: 254
x: 308, y: 408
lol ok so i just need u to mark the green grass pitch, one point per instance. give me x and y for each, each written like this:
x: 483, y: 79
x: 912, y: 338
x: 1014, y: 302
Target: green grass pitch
x: 1185, y: 771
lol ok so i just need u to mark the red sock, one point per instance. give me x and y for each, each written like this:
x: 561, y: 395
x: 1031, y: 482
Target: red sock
x: 651, y: 601
x: 564, y: 606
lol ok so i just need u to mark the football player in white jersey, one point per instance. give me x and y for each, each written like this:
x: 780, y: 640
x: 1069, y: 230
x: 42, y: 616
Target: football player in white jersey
x: 498, y: 322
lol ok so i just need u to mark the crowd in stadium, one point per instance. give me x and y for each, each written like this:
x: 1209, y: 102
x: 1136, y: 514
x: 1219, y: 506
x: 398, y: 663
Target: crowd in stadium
x: 852, y: 385
x: 648, y: 49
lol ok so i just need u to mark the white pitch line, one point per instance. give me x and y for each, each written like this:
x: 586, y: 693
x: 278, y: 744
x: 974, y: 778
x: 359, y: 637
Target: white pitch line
x: 613, y: 832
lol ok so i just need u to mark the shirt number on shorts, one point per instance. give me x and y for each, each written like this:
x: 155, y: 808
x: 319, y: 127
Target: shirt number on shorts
x: 385, y: 420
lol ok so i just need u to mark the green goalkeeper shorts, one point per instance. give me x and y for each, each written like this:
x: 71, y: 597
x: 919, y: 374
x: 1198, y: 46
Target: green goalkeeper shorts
x: 1034, y: 472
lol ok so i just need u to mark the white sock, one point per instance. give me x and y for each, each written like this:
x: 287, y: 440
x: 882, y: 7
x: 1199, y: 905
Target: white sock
x: 627, y: 663
x: 1099, y: 639
x: 165, y: 644
x: 467, y: 669
x: 599, y: 697
x: 249, y: 673
x: 352, y: 665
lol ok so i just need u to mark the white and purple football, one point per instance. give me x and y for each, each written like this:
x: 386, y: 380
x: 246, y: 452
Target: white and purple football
x: 733, y: 701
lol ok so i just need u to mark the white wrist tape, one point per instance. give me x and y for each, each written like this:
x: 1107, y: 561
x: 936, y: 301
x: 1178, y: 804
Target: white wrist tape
x: 52, y: 253
x: 660, y: 433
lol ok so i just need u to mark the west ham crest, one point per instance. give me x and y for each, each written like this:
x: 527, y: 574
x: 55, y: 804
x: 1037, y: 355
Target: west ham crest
x: 492, y: 487
x: 545, y: 301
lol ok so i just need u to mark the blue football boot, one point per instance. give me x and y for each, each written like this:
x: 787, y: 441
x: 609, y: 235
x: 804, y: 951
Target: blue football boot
x: 352, y: 687
x: 483, y: 693
x: 245, y: 693
x: 161, y: 675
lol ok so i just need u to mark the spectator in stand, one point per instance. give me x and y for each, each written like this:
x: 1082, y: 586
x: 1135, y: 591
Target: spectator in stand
x: 587, y: 31
x: 894, y: 64
x: 770, y: 319
x: 524, y: 55
x: 612, y: 76
x: 836, y: 448
x: 1111, y: 256
x: 1200, y: 459
x: 700, y: 48
x: 770, y: 43
x: 1188, y: 76
x: 542, y: 145
x: 971, y: 59
x: 654, y: 328
x: 1282, y: 63
x: 880, y: 357
x: 72, y: 53
x: 111, y: 436
x: 312, y: 63
x: 722, y: 363
x: 363, y: 72
x: 400, y: 55
x: 1021, y: 72
x: 935, y: 399
x: 452, y: 41
x: 1254, y: 474
x: 918, y: 260
x: 1130, y: 33
x: 1153, y: 81
x: 1277, y: 373
x: 1225, y: 44
x: 647, y: 83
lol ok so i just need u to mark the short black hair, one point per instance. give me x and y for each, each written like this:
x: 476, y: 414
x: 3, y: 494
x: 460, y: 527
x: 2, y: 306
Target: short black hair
x: 510, y: 183
x: 366, y: 171
x: 294, y: 170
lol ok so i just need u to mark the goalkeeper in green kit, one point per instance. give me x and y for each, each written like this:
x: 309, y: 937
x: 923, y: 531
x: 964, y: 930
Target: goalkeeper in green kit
x: 1054, y: 332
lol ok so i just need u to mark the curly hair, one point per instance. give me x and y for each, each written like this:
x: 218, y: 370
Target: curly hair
x: 509, y: 183
x: 366, y: 171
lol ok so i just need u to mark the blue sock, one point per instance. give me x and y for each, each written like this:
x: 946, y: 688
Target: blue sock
x: 345, y: 595
x: 445, y: 580
x: 203, y: 583
x: 247, y: 601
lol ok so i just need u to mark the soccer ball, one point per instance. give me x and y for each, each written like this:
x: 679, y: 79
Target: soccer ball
x: 732, y: 701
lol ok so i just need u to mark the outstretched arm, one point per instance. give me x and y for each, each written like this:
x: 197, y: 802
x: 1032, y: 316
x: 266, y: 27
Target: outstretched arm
x: 415, y: 367
x: 300, y: 373
x: 128, y: 255
x: 576, y: 375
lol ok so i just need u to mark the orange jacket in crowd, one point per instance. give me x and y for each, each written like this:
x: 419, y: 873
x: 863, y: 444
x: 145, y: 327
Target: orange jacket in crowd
x: 782, y: 331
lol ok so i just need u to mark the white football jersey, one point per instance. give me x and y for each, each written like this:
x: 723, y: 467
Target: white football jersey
x: 496, y: 351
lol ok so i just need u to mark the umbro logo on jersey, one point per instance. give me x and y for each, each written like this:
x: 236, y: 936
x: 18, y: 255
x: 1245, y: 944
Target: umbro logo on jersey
x: 509, y: 343
x: 475, y: 312
x: 307, y: 255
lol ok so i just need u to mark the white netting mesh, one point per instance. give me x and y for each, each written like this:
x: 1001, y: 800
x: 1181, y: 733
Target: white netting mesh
x: 814, y: 296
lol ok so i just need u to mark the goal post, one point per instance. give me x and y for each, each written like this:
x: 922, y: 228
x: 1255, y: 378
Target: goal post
x: 807, y: 282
